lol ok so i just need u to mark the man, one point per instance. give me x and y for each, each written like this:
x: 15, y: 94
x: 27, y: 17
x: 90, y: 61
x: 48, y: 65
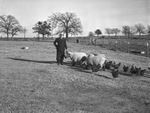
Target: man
x: 60, y: 44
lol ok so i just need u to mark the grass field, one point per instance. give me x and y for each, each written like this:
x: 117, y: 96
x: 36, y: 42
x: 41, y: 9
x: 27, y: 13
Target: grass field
x: 32, y: 82
x: 120, y: 44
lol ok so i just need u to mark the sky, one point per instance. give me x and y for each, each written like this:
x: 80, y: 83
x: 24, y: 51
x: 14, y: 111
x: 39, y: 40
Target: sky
x: 94, y: 14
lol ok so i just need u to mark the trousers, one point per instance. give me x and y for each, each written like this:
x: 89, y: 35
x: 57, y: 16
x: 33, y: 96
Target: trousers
x: 60, y: 57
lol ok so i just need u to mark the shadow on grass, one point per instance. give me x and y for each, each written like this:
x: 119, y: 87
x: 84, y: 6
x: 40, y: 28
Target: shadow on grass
x: 125, y: 74
x: 102, y: 76
x: 28, y: 60
x: 37, y: 61
x: 78, y: 68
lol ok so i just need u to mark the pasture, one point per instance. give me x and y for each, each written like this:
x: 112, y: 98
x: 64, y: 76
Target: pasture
x: 120, y: 43
x: 32, y: 82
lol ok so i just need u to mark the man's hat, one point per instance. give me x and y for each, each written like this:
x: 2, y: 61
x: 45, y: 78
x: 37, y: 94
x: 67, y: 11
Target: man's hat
x: 61, y: 34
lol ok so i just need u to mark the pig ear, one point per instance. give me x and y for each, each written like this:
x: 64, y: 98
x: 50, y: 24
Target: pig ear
x: 83, y: 58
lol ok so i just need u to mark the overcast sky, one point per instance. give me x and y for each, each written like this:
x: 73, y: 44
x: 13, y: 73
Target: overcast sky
x: 94, y: 14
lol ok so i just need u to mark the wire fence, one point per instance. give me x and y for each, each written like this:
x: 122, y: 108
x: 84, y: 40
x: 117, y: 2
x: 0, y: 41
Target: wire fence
x: 139, y: 46
x: 134, y: 46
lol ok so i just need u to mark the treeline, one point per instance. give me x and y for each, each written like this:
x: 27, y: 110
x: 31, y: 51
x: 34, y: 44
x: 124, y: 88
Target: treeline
x: 128, y: 31
x: 66, y: 23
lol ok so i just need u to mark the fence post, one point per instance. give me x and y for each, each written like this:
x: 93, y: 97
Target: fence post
x: 147, y: 49
x: 128, y: 47
x: 115, y: 45
x: 96, y: 42
x: 33, y: 40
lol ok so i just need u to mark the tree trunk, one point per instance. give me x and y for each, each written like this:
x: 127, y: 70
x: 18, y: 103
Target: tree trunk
x: 66, y: 33
x: 7, y: 35
x: 43, y: 36
x: 38, y: 37
x: 128, y: 35
x: 12, y: 37
x: 24, y: 36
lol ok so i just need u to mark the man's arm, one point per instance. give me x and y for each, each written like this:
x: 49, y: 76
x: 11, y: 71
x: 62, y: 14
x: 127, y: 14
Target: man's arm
x: 55, y: 43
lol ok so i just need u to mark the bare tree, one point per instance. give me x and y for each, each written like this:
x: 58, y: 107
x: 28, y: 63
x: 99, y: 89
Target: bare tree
x: 148, y: 29
x: 140, y: 29
x: 91, y: 34
x: 108, y: 31
x: 126, y: 30
x: 67, y: 23
x: 43, y: 28
x: 9, y: 25
x: 15, y: 29
x: 115, y: 31
x: 132, y: 31
x: 24, y: 31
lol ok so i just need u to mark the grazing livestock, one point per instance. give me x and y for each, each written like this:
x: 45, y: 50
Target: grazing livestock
x: 142, y: 72
x: 115, y: 73
x: 125, y: 68
x: 137, y: 71
x: 95, y: 61
x: 76, y: 56
x: 112, y: 65
x: 108, y: 64
x: 133, y: 69
x: 116, y: 66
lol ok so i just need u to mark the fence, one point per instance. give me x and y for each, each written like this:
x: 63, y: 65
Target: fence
x: 26, y: 39
x: 136, y: 46
x: 140, y: 46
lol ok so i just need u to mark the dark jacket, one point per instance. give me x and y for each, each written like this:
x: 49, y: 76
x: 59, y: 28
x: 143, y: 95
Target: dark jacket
x: 60, y: 44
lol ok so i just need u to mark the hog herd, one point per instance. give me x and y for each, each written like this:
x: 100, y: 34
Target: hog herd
x: 98, y: 62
